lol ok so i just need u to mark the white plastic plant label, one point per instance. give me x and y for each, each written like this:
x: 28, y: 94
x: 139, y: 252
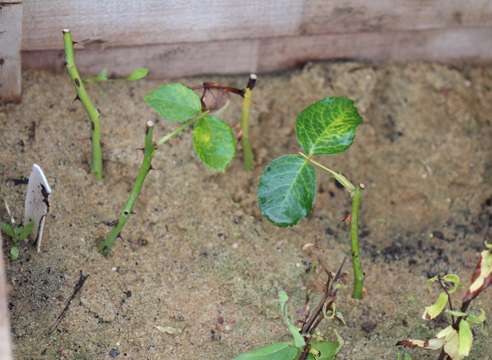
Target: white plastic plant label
x: 37, y: 203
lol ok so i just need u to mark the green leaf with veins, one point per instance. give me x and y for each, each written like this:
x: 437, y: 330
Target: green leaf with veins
x: 214, y: 142
x: 287, y: 190
x: 327, y: 350
x: 174, y: 102
x: 278, y: 351
x: 328, y: 126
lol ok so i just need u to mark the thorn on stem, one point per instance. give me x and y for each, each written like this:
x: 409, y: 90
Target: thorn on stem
x: 77, y: 82
x: 132, y: 213
x: 102, y: 143
x: 76, y: 98
x: 112, y: 223
x: 142, y: 148
x: 119, y: 236
x: 93, y: 126
x: 151, y: 167
x: 65, y: 63
x: 347, y: 218
x: 74, y: 42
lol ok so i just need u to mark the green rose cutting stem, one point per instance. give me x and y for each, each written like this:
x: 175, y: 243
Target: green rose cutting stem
x: 287, y: 187
x: 213, y: 141
x: 96, y: 163
x: 247, y: 150
x: 353, y: 218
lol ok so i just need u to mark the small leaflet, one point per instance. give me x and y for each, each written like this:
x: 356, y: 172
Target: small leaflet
x: 37, y: 203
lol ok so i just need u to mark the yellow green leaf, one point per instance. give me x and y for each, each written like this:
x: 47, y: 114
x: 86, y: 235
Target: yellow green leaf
x: 466, y: 338
x: 432, y: 311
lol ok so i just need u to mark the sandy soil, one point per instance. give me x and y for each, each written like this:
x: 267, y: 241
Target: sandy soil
x: 424, y: 153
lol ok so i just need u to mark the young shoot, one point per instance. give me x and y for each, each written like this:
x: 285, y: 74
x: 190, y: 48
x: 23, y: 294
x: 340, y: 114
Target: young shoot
x: 102, y: 77
x: 287, y: 187
x: 455, y: 341
x: 215, y: 98
x: 18, y: 233
x: 306, y: 344
x: 96, y: 162
x: 213, y: 141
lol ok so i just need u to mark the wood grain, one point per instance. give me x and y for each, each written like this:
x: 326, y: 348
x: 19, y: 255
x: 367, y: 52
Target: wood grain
x: 402, y: 46
x: 140, y: 22
x: 247, y: 56
x: 350, y: 16
x: 10, y: 57
x: 163, y: 61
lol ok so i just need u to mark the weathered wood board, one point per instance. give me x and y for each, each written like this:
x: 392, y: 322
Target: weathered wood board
x: 350, y: 16
x: 141, y: 22
x: 5, y: 344
x: 271, y: 54
x: 175, y: 38
x: 10, y: 47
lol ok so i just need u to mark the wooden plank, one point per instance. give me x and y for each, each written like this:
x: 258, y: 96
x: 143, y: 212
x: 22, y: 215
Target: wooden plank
x: 141, y: 22
x: 5, y: 344
x: 247, y: 56
x: 403, y: 46
x: 350, y: 16
x: 10, y: 56
x: 163, y: 61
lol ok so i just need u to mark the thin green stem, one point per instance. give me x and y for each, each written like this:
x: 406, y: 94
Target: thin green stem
x: 339, y: 177
x: 354, y: 237
x: 355, y: 194
x: 96, y: 163
x: 149, y: 152
x: 247, y: 150
x: 163, y: 139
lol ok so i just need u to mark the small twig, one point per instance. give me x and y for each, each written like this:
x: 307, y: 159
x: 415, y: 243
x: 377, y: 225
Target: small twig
x: 427, y: 167
x: 308, y: 325
x: 75, y: 291
x: 449, y: 299
x: 32, y: 133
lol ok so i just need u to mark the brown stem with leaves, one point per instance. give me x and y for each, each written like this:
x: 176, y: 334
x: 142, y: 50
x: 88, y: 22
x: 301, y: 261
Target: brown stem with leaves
x: 318, y: 315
